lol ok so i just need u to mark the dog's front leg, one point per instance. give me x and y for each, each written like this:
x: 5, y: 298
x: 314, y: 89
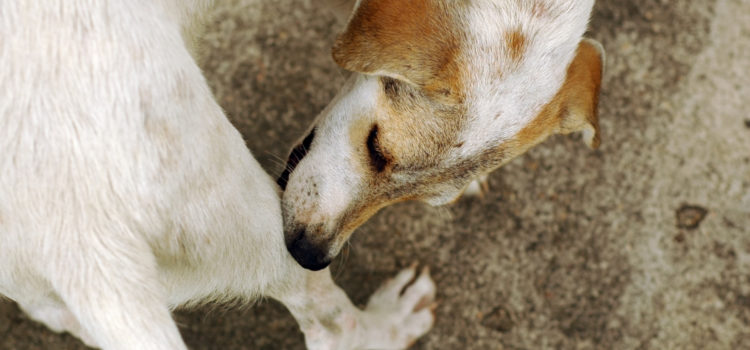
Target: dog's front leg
x: 396, y: 315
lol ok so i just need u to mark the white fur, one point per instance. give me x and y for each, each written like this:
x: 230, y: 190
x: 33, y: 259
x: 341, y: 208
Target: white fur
x: 125, y: 191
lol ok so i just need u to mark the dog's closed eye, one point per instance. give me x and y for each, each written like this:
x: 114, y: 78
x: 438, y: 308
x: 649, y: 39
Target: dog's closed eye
x: 378, y: 158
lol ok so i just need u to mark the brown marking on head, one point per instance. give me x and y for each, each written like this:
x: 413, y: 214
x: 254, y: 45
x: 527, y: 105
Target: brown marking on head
x: 414, y: 40
x: 414, y: 128
x: 574, y: 107
x: 515, y: 41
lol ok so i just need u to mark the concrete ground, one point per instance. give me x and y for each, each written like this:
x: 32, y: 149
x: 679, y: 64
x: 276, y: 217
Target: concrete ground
x: 642, y: 244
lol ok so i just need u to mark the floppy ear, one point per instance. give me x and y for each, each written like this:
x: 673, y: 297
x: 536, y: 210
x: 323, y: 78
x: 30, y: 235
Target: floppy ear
x: 579, y: 95
x: 408, y: 40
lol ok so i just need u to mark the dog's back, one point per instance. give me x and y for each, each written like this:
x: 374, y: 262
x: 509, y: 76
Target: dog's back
x: 114, y: 162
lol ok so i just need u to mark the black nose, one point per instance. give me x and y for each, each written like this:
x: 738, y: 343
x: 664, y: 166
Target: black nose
x: 299, y: 152
x: 308, y: 255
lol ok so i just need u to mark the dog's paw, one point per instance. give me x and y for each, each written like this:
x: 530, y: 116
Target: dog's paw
x: 479, y: 187
x: 401, y: 311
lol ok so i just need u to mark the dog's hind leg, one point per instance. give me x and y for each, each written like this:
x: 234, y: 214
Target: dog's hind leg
x: 110, y: 284
x: 55, y: 315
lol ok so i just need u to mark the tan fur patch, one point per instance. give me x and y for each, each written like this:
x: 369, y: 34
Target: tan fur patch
x: 415, y: 40
x: 415, y: 131
x: 515, y: 41
x: 574, y: 106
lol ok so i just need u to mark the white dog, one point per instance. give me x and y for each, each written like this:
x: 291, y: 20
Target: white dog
x: 125, y: 191
x: 444, y: 92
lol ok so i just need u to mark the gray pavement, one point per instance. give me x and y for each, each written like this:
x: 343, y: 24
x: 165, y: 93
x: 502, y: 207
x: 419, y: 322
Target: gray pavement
x: 572, y: 248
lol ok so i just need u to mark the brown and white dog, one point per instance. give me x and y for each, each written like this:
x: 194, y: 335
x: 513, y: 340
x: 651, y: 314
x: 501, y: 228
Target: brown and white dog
x: 125, y: 191
x: 444, y: 92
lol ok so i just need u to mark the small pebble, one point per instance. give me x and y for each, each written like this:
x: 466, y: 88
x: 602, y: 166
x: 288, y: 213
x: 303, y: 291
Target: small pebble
x: 690, y: 216
x: 499, y: 319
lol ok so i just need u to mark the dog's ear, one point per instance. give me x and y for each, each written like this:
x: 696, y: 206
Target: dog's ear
x: 574, y: 107
x: 407, y: 40
x: 579, y: 97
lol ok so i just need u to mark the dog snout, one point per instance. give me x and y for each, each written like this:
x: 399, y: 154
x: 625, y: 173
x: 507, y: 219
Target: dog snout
x: 298, y: 152
x: 310, y: 255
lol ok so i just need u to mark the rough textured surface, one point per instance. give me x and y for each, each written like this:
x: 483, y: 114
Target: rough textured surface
x: 572, y: 248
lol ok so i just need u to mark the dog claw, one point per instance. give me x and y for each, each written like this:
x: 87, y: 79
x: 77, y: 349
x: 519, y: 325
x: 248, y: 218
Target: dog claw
x: 479, y: 187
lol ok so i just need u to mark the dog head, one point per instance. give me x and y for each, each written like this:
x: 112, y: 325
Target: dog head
x: 442, y: 91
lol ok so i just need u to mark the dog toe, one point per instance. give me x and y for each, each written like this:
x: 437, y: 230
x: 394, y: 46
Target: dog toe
x: 479, y: 187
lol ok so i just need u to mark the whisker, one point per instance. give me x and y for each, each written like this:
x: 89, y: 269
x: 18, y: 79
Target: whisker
x: 279, y: 162
x: 342, y: 260
x: 275, y: 157
x: 276, y: 163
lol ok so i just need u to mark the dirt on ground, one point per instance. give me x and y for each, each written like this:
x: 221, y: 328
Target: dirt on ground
x: 641, y: 244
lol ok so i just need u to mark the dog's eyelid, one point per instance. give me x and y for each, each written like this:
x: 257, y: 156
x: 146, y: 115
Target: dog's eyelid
x: 390, y: 85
